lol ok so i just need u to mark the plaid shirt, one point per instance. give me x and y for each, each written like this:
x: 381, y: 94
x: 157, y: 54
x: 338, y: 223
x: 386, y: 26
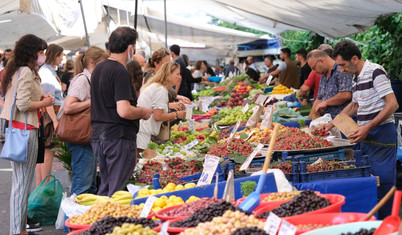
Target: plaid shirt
x: 369, y: 88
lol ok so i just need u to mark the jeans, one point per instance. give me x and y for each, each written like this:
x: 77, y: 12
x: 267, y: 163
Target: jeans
x: 83, y: 163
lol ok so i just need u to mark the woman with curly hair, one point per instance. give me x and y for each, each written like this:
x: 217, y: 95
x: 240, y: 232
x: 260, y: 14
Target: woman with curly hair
x: 21, y: 75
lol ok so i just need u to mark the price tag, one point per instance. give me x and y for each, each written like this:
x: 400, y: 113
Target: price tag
x: 245, y: 109
x: 269, y: 79
x: 249, y: 135
x: 267, y: 119
x: 272, y: 224
x: 148, y: 206
x: 164, y: 228
x: 268, y: 100
x: 251, y: 157
x: 189, y: 111
x: 210, y: 164
x: 234, y: 130
x: 287, y: 228
x: 192, y: 144
x: 261, y: 99
x: 191, y: 124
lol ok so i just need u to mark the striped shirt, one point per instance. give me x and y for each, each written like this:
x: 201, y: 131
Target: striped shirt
x: 369, y: 88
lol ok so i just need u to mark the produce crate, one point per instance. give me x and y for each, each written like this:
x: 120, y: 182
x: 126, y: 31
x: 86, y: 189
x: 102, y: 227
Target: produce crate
x: 292, y: 178
x: 310, y: 158
x: 362, y: 170
x: 208, y: 190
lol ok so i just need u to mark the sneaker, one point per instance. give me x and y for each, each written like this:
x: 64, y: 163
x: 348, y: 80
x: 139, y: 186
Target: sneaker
x: 32, y: 226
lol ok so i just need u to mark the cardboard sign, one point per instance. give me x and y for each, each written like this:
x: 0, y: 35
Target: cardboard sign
x: 261, y: 99
x: 345, y: 124
x: 287, y: 228
x: 267, y: 119
x: 245, y: 109
x: 251, y: 157
x: 269, y: 79
x: 210, y: 164
x: 272, y: 224
x: 148, y: 206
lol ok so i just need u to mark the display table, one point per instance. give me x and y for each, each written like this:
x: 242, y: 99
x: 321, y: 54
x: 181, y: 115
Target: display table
x: 360, y: 193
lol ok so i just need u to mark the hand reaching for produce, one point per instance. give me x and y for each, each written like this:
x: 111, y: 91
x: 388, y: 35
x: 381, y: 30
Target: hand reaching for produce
x: 183, y: 99
x: 327, y: 126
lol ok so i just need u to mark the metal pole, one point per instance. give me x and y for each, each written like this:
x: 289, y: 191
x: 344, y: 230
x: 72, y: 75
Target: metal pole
x: 135, y: 14
x: 85, y: 24
x: 164, y: 3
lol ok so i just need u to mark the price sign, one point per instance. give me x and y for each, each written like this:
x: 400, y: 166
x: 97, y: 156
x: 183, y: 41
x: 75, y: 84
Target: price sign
x: 147, y: 207
x: 245, y: 109
x: 251, y: 157
x: 268, y: 100
x: 267, y: 119
x: 234, y: 130
x: 192, y: 144
x: 210, y: 164
x: 249, y: 135
x: 164, y: 228
x: 191, y: 124
x: 261, y: 99
x: 272, y: 224
x: 255, y: 109
x: 287, y: 228
x: 269, y: 79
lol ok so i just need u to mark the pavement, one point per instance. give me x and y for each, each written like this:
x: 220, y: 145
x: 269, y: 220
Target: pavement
x: 5, y: 184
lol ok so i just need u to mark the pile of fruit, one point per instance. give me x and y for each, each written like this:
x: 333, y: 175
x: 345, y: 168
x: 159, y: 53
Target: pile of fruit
x: 236, y: 147
x: 191, y: 207
x: 305, y: 202
x: 183, y: 136
x: 127, y: 229
x: 242, y: 88
x: 175, y: 168
x: 311, y: 226
x: 205, y: 215
x: 89, y: 199
x: 362, y: 231
x: 285, y: 167
x: 108, y: 208
x: 249, y: 230
x: 168, y: 188
x: 328, y: 166
x: 320, y: 132
x: 296, y: 139
x: 281, y: 90
x: 107, y: 224
x: 232, y: 115
x: 229, y: 222
x: 165, y: 202
x: 281, y: 196
x: 235, y: 99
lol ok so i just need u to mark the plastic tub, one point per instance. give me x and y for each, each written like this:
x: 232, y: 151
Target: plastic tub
x: 345, y: 228
x: 214, y: 79
x: 336, y: 201
x: 76, y: 226
x: 326, y: 218
x: 175, y: 230
x: 77, y: 231
x: 160, y: 213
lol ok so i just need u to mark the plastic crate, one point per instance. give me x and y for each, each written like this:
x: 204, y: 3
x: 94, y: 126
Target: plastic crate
x: 335, y: 174
x: 310, y: 158
x: 208, y: 190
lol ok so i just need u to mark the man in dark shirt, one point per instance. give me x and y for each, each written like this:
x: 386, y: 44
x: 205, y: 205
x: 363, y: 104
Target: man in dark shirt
x: 251, y: 72
x: 114, y: 115
x: 184, y: 88
x: 305, y: 70
x: 231, y: 68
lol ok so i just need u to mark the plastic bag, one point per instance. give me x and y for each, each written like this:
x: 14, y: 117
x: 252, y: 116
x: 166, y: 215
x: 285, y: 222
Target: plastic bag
x: 60, y: 216
x: 315, y: 124
x: 44, y: 202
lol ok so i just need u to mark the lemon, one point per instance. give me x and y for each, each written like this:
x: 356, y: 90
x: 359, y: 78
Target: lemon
x: 179, y: 187
x: 164, y: 198
x: 156, y: 209
x: 189, y: 185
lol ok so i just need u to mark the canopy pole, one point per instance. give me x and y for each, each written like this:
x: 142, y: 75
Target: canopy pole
x: 85, y: 24
x: 135, y: 14
x: 164, y: 4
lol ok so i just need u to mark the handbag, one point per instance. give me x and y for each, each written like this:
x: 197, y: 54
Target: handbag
x: 75, y: 128
x: 164, y: 132
x: 15, y: 147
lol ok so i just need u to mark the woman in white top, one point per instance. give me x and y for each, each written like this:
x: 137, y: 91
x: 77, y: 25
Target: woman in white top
x: 51, y: 84
x: 154, y: 95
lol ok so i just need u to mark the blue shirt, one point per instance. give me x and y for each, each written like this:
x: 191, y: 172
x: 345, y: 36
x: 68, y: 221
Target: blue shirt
x: 336, y: 82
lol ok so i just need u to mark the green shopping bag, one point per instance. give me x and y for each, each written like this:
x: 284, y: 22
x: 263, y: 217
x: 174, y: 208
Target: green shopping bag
x: 44, y: 202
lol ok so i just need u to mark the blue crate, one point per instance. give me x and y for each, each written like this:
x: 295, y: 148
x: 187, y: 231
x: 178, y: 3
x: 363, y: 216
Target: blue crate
x: 336, y: 174
x: 267, y: 90
x: 310, y: 158
x: 208, y: 190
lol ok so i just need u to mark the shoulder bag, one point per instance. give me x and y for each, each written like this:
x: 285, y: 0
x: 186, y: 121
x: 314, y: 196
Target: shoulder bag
x: 15, y: 147
x: 75, y: 128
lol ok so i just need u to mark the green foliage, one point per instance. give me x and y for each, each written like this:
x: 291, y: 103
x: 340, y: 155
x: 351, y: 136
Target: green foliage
x: 222, y: 23
x: 248, y: 187
x: 63, y: 154
x: 296, y: 40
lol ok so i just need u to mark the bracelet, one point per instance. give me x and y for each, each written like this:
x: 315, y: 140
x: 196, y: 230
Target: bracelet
x: 177, y: 115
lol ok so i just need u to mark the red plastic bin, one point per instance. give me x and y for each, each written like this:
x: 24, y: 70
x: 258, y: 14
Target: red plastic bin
x: 336, y: 201
x: 326, y: 218
x: 76, y: 226
x: 160, y: 214
x: 75, y: 232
